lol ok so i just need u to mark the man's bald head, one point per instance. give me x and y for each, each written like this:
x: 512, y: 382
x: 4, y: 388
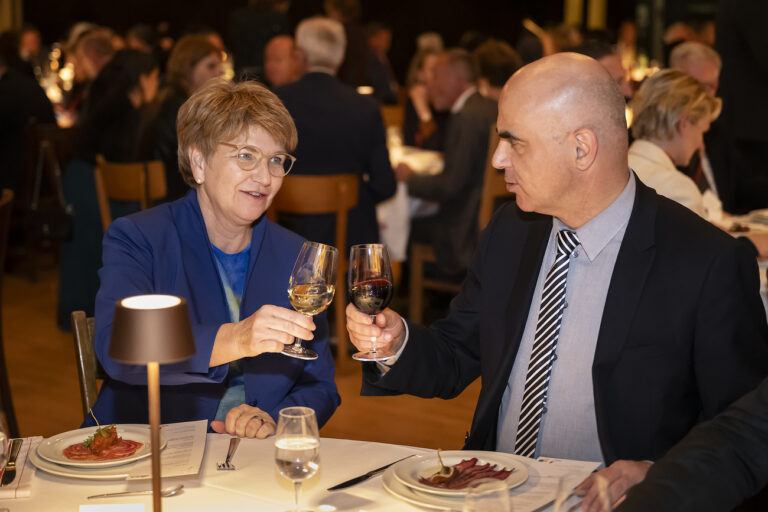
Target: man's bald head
x: 572, y: 90
x: 564, y: 137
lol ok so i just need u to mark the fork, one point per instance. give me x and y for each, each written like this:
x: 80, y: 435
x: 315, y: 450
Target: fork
x: 227, y: 464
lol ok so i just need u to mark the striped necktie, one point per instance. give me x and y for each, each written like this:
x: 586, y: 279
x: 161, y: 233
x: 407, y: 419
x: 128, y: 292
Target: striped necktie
x: 544, y: 345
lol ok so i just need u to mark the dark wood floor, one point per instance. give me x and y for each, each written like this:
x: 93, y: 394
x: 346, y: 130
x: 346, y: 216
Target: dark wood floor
x: 41, y: 368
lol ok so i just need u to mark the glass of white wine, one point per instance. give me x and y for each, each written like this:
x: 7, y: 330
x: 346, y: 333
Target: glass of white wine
x: 311, y: 287
x: 297, y: 447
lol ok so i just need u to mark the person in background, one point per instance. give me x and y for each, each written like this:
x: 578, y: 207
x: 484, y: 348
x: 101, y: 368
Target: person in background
x: 280, y: 61
x: 607, y: 56
x: 672, y: 111
x: 249, y: 30
x: 497, y: 61
x: 423, y: 125
x: 704, y: 64
x: 380, y: 74
x: 339, y: 131
x: 453, y: 231
x: 111, y: 125
x: 22, y: 103
x: 216, y: 248
x: 31, y: 49
x: 90, y: 50
x: 741, y: 152
x: 354, y: 66
x: 193, y: 61
x: 142, y: 37
x: 604, y: 320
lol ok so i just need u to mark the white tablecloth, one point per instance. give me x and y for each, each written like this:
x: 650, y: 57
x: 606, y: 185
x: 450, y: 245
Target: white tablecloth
x: 254, y: 486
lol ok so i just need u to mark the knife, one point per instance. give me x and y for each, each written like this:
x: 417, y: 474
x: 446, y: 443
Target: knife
x: 366, y: 476
x: 10, y: 468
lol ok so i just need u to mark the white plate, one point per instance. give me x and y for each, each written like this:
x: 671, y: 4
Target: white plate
x: 51, y: 449
x: 409, y: 470
x: 405, y: 493
x: 113, y: 473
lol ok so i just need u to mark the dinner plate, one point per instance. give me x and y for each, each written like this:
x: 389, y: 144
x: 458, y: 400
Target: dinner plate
x: 426, y: 465
x: 111, y: 473
x: 434, y: 501
x: 51, y: 449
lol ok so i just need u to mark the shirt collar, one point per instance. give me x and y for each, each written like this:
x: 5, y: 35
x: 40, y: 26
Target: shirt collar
x: 595, y: 234
x: 462, y: 99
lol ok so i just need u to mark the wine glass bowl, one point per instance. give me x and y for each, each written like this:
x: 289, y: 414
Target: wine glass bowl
x: 370, y: 288
x: 311, y: 287
x: 297, y: 446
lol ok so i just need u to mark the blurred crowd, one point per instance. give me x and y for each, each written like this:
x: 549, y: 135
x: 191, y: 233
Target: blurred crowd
x: 121, y: 93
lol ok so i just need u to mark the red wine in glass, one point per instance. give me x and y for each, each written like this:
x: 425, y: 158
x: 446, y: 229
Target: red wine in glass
x: 370, y: 288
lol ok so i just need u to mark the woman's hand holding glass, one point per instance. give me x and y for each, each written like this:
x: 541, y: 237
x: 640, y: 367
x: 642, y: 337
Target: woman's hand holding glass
x: 269, y: 329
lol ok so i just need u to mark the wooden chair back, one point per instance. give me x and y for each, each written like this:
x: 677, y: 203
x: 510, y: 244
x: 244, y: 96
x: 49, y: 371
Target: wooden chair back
x: 141, y: 181
x: 314, y: 195
x: 494, y: 188
x: 7, y: 411
x: 89, y: 370
x: 393, y: 115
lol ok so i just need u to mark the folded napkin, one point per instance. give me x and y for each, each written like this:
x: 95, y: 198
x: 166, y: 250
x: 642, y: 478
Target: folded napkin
x: 21, y: 487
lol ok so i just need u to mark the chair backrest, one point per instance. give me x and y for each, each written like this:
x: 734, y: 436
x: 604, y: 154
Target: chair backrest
x: 494, y: 186
x: 393, y: 115
x: 140, y: 181
x: 313, y: 195
x: 7, y: 412
x: 88, y: 368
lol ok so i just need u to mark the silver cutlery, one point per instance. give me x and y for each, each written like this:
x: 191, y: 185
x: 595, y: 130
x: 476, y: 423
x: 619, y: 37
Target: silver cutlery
x: 166, y: 492
x: 10, y: 468
x: 227, y: 464
x: 365, y: 476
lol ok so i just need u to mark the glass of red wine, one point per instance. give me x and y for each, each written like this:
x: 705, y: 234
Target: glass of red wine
x: 370, y: 287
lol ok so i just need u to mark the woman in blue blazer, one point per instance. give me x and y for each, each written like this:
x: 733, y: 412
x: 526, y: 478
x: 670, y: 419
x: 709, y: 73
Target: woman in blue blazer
x: 216, y: 248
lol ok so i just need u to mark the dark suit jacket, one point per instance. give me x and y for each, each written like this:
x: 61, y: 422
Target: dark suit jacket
x: 340, y: 131
x: 716, y: 466
x: 458, y: 188
x: 683, y: 332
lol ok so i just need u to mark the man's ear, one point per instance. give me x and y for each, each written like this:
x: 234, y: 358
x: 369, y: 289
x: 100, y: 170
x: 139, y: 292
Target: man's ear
x: 586, y: 148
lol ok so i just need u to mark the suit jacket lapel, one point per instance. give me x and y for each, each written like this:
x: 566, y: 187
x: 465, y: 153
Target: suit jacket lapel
x: 630, y: 272
x: 518, y: 306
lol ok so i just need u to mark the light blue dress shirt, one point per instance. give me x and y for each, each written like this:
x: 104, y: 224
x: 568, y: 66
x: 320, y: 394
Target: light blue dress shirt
x: 569, y: 428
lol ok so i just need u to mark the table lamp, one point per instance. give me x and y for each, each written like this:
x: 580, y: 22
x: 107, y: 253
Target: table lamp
x: 152, y: 329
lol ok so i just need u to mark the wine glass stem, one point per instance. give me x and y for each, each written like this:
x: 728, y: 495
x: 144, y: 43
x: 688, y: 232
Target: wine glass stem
x: 297, y: 341
x: 297, y: 493
x: 373, y: 341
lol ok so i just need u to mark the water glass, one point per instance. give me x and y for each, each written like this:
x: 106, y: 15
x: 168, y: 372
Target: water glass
x: 487, y: 495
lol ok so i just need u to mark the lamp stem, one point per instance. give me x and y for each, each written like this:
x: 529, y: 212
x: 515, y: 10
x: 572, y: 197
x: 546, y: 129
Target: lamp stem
x: 153, y: 390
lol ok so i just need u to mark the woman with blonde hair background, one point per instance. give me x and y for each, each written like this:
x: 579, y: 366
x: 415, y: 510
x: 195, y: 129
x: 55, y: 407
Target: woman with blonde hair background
x: 671, y: 112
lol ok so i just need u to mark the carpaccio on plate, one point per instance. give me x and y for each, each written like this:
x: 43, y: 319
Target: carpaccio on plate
x: 464, y: 473
x: 103, y: 445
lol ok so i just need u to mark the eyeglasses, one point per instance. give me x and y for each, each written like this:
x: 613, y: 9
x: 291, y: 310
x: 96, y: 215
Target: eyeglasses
x: 249, y: 157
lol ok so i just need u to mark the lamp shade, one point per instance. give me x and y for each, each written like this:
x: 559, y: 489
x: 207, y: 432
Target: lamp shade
x: 151, y: 328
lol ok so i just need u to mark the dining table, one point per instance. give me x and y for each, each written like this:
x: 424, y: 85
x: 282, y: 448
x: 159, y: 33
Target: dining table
x: 256, y: 485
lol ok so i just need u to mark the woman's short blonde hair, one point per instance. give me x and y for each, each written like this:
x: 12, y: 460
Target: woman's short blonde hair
x: 221, y: 110
x: 664, y: 99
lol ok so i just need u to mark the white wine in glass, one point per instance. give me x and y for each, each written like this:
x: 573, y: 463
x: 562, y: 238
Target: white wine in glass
x: 311, y: 287
x: 297, y: 447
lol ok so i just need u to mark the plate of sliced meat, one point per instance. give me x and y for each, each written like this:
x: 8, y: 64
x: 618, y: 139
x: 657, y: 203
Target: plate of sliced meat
x: 422, y: 472
x: 99, y: 447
